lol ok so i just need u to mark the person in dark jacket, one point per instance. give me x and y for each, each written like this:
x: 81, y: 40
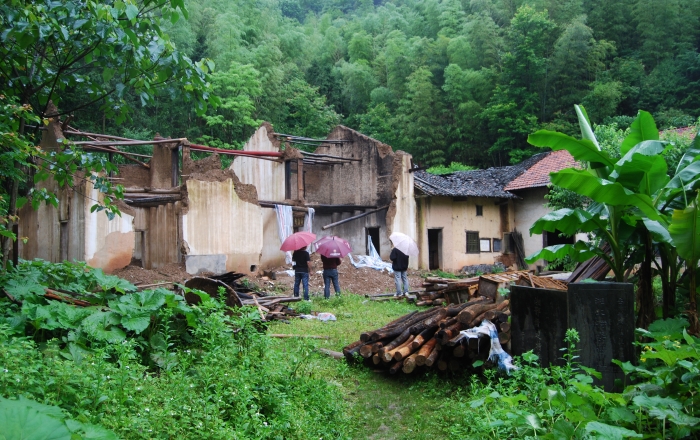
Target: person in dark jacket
x: 399, y: 263
x: 302, y: 266
x: 330, y: 273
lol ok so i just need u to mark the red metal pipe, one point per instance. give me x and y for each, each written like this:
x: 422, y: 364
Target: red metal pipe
x: 235, y: 152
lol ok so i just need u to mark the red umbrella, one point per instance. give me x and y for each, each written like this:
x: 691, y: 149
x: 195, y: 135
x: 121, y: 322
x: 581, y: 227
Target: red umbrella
x: 297, y: 240
x: 333, y: 247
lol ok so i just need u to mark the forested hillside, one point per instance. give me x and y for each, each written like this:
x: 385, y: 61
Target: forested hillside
x: 445, y: 80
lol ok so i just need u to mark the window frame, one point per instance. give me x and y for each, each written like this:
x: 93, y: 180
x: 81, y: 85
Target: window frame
x: 475, y: 249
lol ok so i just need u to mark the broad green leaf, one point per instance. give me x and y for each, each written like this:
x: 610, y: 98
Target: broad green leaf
x: 643, y: 169
x: 670, y: 357
x: 685, y: 231
x: 581, y: 150
x: 102, y: 326
x: 24, y: 287
x: 692, y: 154
x: 568, y: 221
x: 585, y: 124
x: 658, y: 232
x: 621, y: 414
x: 551, y: 253
x: 132, y: 11
x: 670, y: 327
x: 563, y: 430
x: 687, y: 177
x: 28, y: 420
x: 137, y: 322
x: 651, y: 402
x: 604, y: 191
x: 87, y: 431
x: 642, y: 129
x: 610, y: 432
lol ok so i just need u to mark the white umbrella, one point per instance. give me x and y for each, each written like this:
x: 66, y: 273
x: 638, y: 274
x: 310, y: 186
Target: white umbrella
x: 404, y: 243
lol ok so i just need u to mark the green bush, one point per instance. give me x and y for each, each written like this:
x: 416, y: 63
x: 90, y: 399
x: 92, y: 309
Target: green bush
x: 562, y: 402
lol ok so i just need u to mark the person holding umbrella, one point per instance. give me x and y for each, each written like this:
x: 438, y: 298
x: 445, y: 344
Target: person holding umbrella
x: 300, y: 258
x: 302, y: 267
x: 403, y: 247
x: 332, y: 249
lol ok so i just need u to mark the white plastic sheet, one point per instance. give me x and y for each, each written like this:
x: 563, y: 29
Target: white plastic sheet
x: 373, y: 260
x: 496, y: 353
x: 284, y: 227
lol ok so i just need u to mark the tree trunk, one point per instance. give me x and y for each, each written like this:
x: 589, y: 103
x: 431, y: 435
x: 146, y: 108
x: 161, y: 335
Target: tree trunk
x: 645, y: 295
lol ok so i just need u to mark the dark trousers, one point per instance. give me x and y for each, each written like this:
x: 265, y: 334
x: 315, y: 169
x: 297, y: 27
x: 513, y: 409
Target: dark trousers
x: 301, y: 277
x: 328, y: 276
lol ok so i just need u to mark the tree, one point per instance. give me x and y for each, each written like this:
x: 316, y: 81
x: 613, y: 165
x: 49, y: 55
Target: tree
x: 419, y: 117
x: 103, y: 49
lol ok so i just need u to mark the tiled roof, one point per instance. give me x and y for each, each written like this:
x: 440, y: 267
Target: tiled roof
x: 476, y: 183
x: 538, y: 174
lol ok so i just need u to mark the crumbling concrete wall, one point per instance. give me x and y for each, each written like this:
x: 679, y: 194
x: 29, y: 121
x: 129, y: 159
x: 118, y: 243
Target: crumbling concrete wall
x: 403, y: 207
x: 109, y: 244
x: 373, y: 181
x: 268, y: 177
x: 222, y: 231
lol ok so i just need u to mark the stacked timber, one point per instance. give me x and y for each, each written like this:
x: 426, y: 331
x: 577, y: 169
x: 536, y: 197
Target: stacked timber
x: 432, y: 338
x: 445, y: 290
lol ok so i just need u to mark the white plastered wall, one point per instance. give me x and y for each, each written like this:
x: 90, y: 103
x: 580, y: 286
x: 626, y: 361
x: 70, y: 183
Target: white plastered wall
x: 405, y: 217
x: 218, y: 222
x: 269, y: 180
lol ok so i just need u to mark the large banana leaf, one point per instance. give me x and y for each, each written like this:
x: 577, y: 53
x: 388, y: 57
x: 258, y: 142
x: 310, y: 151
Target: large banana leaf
x: 604, y: 191
x: 685, y: 231
x: 659, y: 232
x: 585, y: 124
x: 567, y: 221
x: 642, y: 129
x: 688, y: 177
x: 582, y: 150
x: 643, y: 169
x: 578, y: 252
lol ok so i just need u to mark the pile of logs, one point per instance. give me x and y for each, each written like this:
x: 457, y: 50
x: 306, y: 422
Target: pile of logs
x: 432, y: 339
x: 438, y: 289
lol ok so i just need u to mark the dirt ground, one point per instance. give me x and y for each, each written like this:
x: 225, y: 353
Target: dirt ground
x: 360, y: 281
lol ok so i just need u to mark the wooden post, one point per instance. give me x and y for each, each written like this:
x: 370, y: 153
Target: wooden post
x: 300, y: 179
x: 175, y: 178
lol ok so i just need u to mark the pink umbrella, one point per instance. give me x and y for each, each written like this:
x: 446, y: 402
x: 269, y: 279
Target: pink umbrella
x: 297, y: 240
x: 333, y: 247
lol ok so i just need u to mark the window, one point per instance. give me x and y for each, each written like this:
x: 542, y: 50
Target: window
x: 479, y: 210
x: 485, y: 245
x: 497, y: 245
x: 472, y: 242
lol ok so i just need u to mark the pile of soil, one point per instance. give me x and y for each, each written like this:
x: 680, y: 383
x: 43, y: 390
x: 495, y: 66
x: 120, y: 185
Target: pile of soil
x: 360, y: 281
x: 137, y: 275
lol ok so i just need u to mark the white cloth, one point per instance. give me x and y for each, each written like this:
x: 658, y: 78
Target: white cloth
x: 284, y: 227
x: 496, y: 354
x: 373, y: 260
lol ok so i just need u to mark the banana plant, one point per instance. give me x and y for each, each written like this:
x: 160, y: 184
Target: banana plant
x: 620, y: 190
x: 685, y: 231
x: 632, y: 201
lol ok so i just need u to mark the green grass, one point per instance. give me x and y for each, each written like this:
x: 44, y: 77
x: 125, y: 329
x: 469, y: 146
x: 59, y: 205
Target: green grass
x: 381, y: 406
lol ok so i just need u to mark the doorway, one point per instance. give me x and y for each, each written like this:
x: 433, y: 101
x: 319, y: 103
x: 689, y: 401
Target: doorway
x: 372, y: 234
x: 434, y: 248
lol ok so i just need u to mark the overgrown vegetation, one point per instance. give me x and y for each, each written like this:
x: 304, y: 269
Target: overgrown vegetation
x: 145, y: 364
